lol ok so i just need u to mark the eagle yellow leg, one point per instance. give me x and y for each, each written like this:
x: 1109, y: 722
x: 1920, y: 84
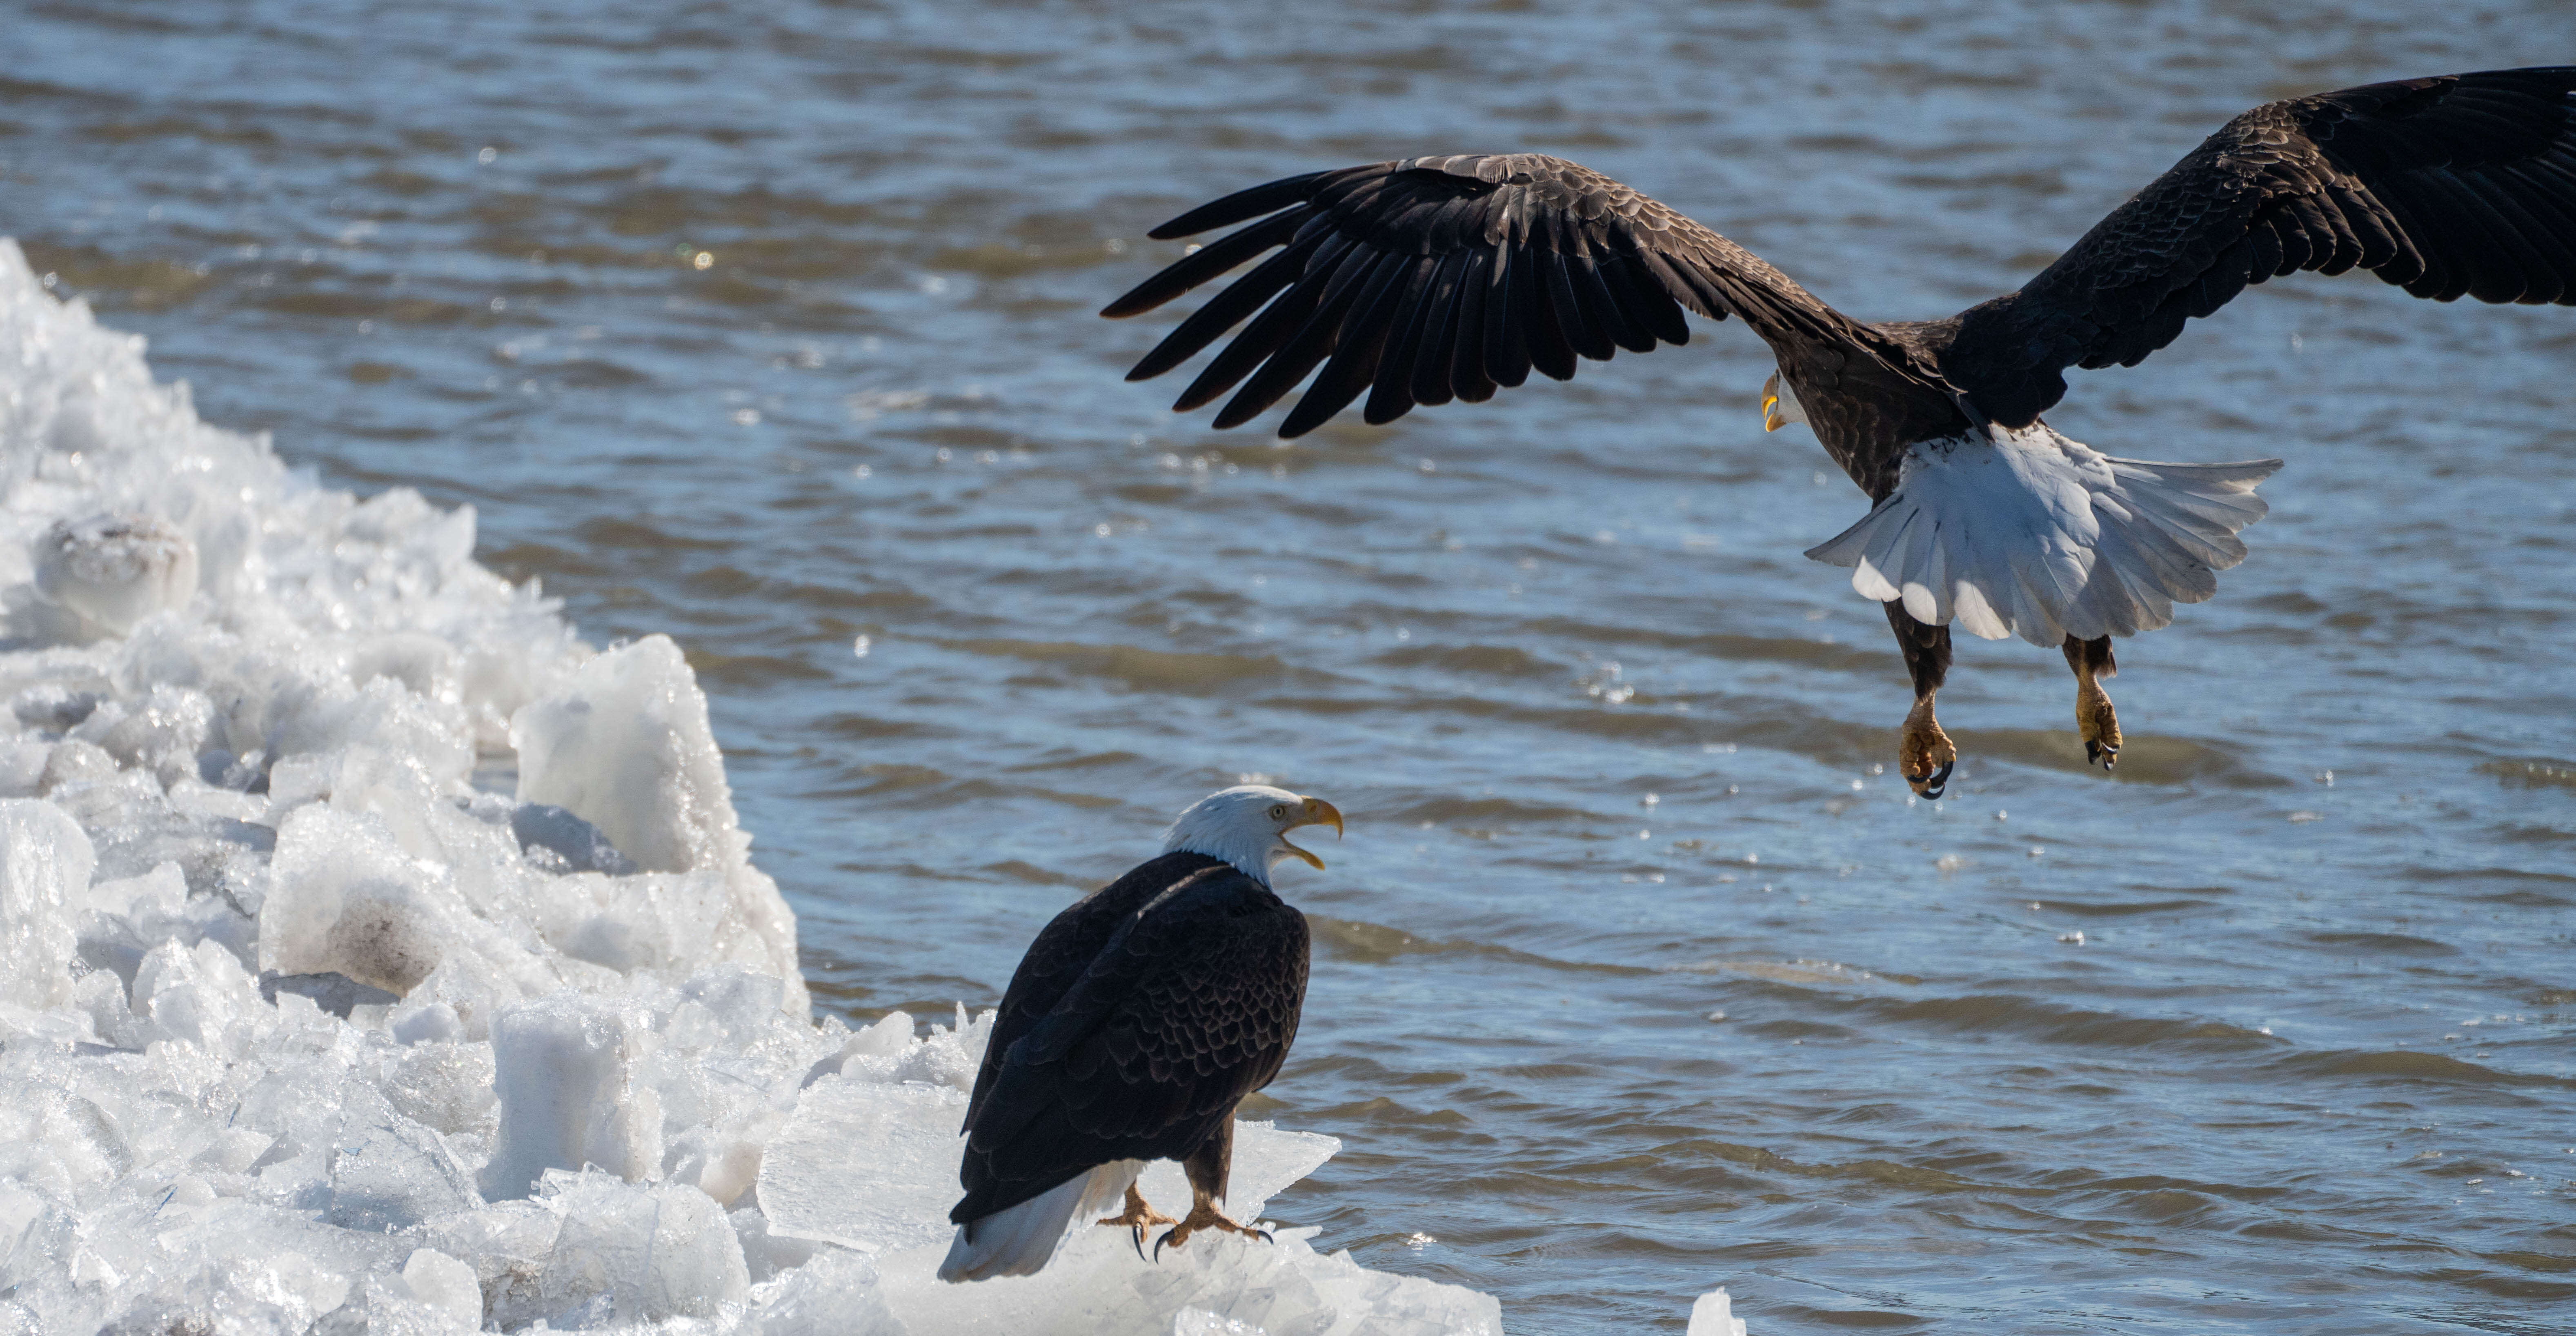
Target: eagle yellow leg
x: 1925, y: 754
x: 1207, y: 1167
x: 1136, y: 1217
x: 2095, y: 720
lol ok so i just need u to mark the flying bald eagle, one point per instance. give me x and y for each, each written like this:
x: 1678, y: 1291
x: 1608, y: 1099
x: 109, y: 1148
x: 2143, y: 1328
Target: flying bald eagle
x: 1137, y: 1021
x: 1443, y: 278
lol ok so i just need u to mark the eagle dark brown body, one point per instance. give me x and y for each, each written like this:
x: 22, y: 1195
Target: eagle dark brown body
x: 1137, y: 1021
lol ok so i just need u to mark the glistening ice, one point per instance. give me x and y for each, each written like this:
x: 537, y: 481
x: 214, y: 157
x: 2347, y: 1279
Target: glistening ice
x: 301, y: 1032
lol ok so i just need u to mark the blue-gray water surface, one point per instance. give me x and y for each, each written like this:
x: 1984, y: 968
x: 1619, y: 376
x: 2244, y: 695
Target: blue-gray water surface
x: 770, y: 325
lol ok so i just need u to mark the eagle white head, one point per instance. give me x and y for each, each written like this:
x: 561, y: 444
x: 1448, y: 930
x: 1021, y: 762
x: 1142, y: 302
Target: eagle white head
x: 1248, y: 826
x: 1780, y: 405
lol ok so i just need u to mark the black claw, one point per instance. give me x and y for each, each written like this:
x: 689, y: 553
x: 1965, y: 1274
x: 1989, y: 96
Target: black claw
x: 1939, y: 783
x: 1158, y: 1245
x: 1139, y: 1238
x: 1265, y: 1236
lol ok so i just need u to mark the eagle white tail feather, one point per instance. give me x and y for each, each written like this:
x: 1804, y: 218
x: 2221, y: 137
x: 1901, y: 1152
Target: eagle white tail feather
x: 2027, y: 531
x: 1018, y: 1240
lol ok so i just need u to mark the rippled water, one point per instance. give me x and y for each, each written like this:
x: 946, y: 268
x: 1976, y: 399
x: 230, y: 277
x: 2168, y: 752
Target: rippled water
x: 768, y: 325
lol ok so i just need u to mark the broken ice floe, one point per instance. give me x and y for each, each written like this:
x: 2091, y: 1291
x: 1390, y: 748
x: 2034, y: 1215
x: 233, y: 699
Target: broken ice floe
x: 907, y: 1133
x: 300, y: 1032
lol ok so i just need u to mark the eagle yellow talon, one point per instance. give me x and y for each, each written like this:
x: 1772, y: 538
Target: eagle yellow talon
x: 1925, y: 754
x: 1137, y: 1217
x: 2095, y: 721
x: 2098, y: 723
x: 1204, y: 1215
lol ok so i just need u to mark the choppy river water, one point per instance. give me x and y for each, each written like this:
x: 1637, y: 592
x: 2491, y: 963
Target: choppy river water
x: 770, y: 326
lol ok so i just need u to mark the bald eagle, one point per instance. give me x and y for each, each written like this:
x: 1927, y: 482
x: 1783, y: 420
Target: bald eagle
x: 1440, y: 278
x: 1136, y: 1022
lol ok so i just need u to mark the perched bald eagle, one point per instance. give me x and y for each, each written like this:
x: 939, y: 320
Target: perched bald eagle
x: 1443, y: 278
x: 1136, y: 1022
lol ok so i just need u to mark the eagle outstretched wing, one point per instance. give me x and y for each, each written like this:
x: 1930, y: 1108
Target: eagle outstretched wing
x: 1437, y: 278
x: 2459, y: 185
x: 1188, y: 1005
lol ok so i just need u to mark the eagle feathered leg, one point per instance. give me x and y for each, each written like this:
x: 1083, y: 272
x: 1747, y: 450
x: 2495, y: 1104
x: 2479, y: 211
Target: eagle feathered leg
x: 2094, y: 717
x: 1924, y: 754
x: 1207, y: 1167
x: 1136, y: 1217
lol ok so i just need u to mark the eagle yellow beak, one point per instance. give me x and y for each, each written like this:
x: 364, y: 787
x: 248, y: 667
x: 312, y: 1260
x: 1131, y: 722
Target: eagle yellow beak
x: 1771, y: 419
x: 1318, y: 813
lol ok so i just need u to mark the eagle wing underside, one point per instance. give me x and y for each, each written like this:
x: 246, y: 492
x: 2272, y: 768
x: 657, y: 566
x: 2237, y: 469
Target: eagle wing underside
x: 1431, y: 279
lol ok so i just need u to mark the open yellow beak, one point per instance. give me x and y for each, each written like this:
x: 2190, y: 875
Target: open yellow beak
x: 1771, y: 419
x: 1318, y: 813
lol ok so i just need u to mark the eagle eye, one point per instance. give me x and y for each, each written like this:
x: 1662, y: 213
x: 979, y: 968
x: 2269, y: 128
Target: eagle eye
x: 1278, y: 810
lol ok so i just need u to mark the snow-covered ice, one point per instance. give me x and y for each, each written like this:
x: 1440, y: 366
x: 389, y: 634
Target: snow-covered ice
x: 1096, y: 1283
x: 301, y: 1031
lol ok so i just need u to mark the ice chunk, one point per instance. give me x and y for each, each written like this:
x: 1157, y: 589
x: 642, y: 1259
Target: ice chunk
x: 190, y: 1262
x: 392, y: 1173
x: 721, y: 1166
x: 766, y: 1254
x: 159, y: 893
x: 392, y: 1311
x: 163, y: 734
x: 344, y: 899
x: 436, y: 1279
x: 22, y: 766
x: 660, y: 921
x: 508, y: 1245
x: 886, y: 1051
x: 1713, y: 1314
x: 73, y: 762
x: 59, y: 1142
x: 45, y: 865
x: 113, y: 570
x: 286, y: 1291
x: 429, y: 1022
x: 433, y: 1295
x: 885, y: 1038
x: 835, y: 1294
x: 906, y: 1138
x: 101, y: 996
x: 653, y: 1252
x: 627, y: 748
x: 443, y: 1085
x: 457, y: 1001
x: 565, y: 1073
x: 1200, y: 1322
x: 195, y: 995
